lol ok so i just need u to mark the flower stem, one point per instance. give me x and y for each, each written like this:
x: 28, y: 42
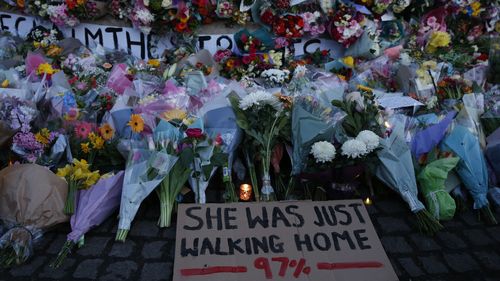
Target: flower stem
x: 488, y: 215
x: 121, y: 235
x: 65, y: 251
x: 427, y: 223
x: 69, y: 207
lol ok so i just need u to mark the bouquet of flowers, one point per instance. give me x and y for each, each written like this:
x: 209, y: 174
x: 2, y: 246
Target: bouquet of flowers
x: 95, y: 205
x: 453, y: 88
x: 262, y: 116
x: 78, y: 176
x: 346, y: 25
x: 168, y: 135
x: 396, y: 170
x: 20, y: 185
x: 313, y: 24
x: 15, y: 115
x: 31, y: 146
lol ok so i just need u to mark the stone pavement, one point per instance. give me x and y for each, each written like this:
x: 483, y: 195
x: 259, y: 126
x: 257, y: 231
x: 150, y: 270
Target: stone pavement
x: 465, y: 250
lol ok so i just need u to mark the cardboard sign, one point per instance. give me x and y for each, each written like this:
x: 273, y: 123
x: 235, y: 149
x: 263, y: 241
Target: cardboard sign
x: 294, y: 240
x: 146, y: 46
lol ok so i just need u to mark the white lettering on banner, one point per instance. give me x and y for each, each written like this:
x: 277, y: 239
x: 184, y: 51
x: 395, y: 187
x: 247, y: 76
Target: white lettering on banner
x: 146, y: 46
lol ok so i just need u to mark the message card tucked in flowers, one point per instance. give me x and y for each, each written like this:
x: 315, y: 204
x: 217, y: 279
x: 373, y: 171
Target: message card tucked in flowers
x: 333, y: 240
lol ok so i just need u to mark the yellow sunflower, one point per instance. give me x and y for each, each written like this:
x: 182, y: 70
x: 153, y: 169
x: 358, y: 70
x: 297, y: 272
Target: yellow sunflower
x: 136, y: 123
x: 107, y: 131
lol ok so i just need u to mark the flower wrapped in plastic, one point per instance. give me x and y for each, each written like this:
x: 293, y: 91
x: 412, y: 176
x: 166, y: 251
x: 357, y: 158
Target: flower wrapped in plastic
x: 169, y: 137
x: 144, y: 171
x: 220, y: 122
x: 95, y: 205
x: 432, y: 180
x: 471, y: 168
x: 396, y: 170
x: 31, y: 200
x: 250, y: 111
x: 313, y: 120
x: 491, y: 152
x: 78, y: 176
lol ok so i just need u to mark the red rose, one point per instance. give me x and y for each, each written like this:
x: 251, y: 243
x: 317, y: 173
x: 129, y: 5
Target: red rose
x: 246, y: 59
x: 195, y: 133
x: 267, y: 17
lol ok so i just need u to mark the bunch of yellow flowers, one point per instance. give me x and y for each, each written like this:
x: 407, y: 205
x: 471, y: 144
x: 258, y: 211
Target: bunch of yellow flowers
x: 79, y: 172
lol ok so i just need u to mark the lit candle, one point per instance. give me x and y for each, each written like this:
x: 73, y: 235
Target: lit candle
x: 368, y: 201
x: 245, y: 192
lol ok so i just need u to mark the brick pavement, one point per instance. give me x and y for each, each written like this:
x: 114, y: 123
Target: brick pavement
x: 465, y: 250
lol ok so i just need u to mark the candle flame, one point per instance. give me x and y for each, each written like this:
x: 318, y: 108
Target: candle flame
x: 368, y: 201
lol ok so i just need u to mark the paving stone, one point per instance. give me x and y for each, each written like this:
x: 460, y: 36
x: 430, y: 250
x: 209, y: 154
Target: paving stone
x: 121, y: 270
x: 470, y: 218
x: 371, y: 209
x: 397, y: 268
x: 56, y: 245
x: 168, y: 232
x: 391, y: 207
x: 122, y: 250
x: 488, y: 259
x: 453, y: 223
x: 477, y: 237
x: 43, y: 243
x: 58, y: 273
x: 393, y: 244
x: 411, y: 267
x: 461, y: 262
x: 153, y: 250
x: 433, y: 265
x: 451, y: 240
x: 106, y: 226
x: 494, y: 232
x: 391, y: 225
x: 157, y: 271
x: 144, y: 229
x: 94, y: 246
x: 88, y: 269
x: 29, y: 268
x: 424, y: 242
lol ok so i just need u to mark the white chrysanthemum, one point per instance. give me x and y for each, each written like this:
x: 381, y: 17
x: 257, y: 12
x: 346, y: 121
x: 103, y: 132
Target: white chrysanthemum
x: 275, y: 75
x: 370, y: 139
x: 144, y: 16
x: 258, y: 98
x: 354, y: 148
x: 323, y: 151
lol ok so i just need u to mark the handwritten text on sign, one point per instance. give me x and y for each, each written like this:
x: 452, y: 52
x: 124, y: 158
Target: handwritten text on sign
x: 281, y: 240
x: 142, y: 45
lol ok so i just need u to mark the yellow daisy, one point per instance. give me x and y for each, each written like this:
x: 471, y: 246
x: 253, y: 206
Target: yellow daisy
x: 136, y: 123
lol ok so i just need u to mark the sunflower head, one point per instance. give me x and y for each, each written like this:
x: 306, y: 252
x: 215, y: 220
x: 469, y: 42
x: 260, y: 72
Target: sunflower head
x: 106, y: 131
x: 136, y: 123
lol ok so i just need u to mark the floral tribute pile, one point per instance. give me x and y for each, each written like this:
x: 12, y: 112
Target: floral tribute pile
x: 411, y: 106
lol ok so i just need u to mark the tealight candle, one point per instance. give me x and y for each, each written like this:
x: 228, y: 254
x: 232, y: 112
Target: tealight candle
x: 368, y: 201
x: 245, y: 192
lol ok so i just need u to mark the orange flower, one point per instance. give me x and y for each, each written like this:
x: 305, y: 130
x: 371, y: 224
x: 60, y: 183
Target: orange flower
x: 180, y: 26
x: 230, y: 63
x: 106, y: 131
x: 136, y: 123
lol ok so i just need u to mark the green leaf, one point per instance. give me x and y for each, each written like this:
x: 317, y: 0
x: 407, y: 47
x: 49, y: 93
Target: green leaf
x: 186, y: 157
x: 207, y: 170
x: 219, y: 159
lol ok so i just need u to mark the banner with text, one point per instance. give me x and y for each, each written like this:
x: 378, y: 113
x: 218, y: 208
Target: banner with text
x: 304, y: 240
x: 142, y: 45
